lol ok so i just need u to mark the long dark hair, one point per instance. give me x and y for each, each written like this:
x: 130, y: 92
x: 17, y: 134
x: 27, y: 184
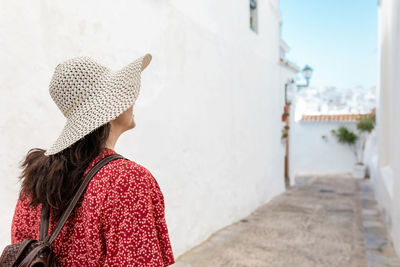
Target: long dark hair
x: 53, y: 179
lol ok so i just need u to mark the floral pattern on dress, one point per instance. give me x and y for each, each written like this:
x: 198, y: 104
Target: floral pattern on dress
x: 119, y: 221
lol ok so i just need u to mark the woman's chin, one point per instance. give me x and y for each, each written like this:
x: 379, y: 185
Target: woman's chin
x: 133, y: 125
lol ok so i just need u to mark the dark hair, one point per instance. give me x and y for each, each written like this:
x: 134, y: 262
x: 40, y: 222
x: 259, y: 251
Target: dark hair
x: 54, y: 179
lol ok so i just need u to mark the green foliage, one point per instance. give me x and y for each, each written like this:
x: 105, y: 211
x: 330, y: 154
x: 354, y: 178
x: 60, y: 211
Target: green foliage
x: 366, y: 124
x: 345, y: 136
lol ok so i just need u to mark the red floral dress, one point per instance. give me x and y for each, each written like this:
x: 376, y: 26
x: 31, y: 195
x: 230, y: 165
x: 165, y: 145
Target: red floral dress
x: 119, y: 221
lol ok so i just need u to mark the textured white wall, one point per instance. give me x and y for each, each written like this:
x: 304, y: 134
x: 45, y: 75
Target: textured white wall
x: 286, y: 75
x: 314, y: 155
x: 292, y: 142
x: 386, y: 169
x: 208, y: 115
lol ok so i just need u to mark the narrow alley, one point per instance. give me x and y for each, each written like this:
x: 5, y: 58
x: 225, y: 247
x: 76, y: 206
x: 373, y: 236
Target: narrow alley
x: 323, y: 221
x: 256, y: 133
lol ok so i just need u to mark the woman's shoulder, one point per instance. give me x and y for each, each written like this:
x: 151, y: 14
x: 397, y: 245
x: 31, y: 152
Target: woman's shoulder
x: 127, y: 166
x: 132, y: 183
x: 130, y: 172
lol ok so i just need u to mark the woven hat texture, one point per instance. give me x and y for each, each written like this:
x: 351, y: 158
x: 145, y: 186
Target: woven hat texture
x: 90, y: 94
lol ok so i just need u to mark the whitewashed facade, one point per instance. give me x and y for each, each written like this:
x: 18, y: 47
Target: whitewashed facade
x: 385, y: 165
x: 316, y: 150
x: 209, y: 112
x: 289, y: 71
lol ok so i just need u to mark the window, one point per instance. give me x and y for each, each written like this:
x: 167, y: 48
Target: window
x: 253, y: 15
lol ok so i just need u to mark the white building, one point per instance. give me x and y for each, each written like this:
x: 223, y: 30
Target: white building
x: 385, y: 169
x: 209, y: 112
x: 316, y: 150
x: 288, y: 78
x: 317, y: 111
x: 332, y: 100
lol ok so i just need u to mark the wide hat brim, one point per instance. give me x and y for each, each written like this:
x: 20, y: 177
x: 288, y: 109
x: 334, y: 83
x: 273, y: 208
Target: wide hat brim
x: 118, y: 92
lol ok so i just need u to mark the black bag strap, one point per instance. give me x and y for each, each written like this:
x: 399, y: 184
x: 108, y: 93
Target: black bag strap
x: 44, y: 220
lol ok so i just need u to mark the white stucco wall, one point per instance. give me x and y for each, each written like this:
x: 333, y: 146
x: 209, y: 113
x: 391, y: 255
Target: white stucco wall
x: 386, y: 171
x: 287, y: 74
x: 292, y: 142
x: 315, y: 155
x: 209, y: 112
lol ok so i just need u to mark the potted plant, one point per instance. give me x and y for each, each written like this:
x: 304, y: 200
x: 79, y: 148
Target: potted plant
x: 286, y: 108
x: 346, y: 136
x: 285, y: 114
x: 285, y: 134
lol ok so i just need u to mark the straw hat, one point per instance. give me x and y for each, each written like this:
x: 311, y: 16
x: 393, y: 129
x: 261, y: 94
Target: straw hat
x: 90, y: 94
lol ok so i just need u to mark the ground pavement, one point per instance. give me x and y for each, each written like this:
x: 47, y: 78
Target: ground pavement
x: 322, y: 221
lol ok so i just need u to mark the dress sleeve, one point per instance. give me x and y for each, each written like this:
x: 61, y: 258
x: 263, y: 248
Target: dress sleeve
x: 128, y: 219
x: 16, y: 234
x: 26, y: 220
x: 160, y: 222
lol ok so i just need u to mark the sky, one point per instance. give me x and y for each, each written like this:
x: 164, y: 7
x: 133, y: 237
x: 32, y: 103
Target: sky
x: 337, y: 38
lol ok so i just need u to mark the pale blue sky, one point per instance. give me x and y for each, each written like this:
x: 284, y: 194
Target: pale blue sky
x: 337, y: 38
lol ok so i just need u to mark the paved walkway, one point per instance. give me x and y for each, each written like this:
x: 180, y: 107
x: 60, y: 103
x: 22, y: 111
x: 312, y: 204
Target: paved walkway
x: 325, y: 221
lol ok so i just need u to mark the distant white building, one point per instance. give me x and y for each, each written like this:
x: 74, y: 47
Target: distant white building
x: 332, y: 100
x: 316, y: 150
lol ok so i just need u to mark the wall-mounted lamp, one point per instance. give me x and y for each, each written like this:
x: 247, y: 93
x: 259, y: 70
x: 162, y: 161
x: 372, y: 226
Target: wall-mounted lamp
x: 253, y: 4
x: 307, y: 74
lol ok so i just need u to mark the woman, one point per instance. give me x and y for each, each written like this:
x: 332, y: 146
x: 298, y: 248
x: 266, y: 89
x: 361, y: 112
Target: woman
x: 119, y: 221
